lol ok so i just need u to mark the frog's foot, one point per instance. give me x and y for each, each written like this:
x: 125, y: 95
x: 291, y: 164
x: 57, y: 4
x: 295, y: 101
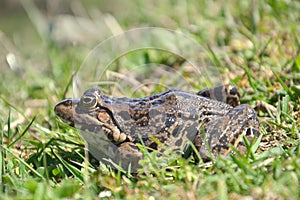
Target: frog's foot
x: 227, y: 131
x: 224, y: 93
x: 126, y: 154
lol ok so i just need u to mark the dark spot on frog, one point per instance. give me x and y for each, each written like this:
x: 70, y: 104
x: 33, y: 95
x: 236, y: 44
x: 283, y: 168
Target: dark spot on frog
x: 157, y: 102
x: 176, y: 132
x: 153, y: 145
x: 144, y: 121
x: 178, y: 142
x: 170, y: 120
x: 125, y: 115
x: 251, y: 131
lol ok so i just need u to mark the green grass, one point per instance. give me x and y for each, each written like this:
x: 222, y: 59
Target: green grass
x: 254, y: 45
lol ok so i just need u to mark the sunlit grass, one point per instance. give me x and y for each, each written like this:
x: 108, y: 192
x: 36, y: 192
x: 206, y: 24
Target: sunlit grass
x: 254, y: 46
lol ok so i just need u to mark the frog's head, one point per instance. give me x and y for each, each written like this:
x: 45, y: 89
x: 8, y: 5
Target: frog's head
x: 69, y: 110
x: 89, y: 114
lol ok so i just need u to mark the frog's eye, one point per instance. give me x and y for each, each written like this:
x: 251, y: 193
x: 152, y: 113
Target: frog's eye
x: 89, y: 100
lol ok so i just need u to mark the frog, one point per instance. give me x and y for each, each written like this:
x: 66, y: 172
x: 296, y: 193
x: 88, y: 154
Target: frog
x: 213, y: 120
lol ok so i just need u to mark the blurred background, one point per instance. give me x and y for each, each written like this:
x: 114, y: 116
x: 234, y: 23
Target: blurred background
x: 43, y: 42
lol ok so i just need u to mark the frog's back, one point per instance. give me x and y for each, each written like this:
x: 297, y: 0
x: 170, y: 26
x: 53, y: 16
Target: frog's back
x: 167, y: 112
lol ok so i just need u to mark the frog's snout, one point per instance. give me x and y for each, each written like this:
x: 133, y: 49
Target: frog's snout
x: 65, y: 110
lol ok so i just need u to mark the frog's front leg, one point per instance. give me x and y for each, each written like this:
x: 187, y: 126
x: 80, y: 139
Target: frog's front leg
x: 221, y: 133
x: 128, y: 155
x: 124, y: 154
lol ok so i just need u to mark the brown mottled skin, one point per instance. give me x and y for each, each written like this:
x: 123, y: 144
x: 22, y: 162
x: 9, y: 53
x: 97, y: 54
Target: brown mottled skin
x: 211, y: 119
